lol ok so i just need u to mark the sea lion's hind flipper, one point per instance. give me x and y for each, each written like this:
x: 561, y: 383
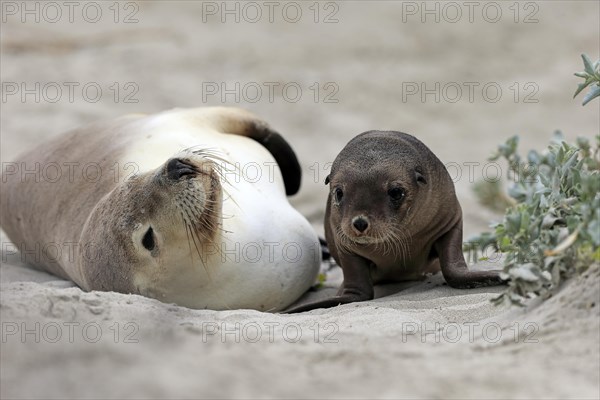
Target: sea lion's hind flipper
x: 236, y: 121
x: 357, y: 285
x: 345, y: 296
x: 453, y: 265
x: 281, y: 150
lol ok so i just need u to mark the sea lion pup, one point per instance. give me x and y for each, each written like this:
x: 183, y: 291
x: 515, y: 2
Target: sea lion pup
x: 392, y: 215
x: 187, y: 206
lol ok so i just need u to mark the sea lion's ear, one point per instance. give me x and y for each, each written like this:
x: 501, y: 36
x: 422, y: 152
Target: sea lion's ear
x: 419, y: 177
x: 327, y: 180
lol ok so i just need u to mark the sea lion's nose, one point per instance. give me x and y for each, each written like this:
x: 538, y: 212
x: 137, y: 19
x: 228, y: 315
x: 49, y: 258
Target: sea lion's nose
x: 178, y: 168
x: 360, y: 223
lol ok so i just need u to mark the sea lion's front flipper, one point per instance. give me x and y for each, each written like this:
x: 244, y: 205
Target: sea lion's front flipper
x: 357, y: 285
x: 453, y: 265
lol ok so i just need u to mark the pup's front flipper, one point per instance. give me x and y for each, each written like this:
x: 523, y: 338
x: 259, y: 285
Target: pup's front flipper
x: 357, y: 285
x: 453, y: 265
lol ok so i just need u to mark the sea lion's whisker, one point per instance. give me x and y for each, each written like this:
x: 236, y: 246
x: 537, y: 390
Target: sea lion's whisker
x: 191, y: 225
x: 194, y: 237
x: 188, y: 238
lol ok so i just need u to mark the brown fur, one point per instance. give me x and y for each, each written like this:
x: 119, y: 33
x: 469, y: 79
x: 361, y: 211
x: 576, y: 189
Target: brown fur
x: 406, y: 238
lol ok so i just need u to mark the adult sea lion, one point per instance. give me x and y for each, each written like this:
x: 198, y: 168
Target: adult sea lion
x: 392, y: 215
x: 186, y: 206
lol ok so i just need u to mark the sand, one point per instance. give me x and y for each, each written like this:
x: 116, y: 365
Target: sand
x: 418, y: 340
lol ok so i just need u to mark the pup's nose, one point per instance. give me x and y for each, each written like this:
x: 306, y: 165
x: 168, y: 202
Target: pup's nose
x: 360, y: 224
x: 178, y: 168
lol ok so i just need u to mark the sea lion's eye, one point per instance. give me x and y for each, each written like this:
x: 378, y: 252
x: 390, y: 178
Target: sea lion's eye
x: 148, y: 240
x: 396, y: 194
x: 338, y: 195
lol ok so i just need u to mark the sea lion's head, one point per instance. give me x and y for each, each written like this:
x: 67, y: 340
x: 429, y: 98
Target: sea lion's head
x: 152, y: 225
x: 378, y: 183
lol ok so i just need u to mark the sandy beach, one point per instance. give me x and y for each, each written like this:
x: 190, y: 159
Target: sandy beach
x: 462, y: 78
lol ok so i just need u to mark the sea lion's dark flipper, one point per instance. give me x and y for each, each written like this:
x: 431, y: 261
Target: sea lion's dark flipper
x: 327, y: 303
x: 357, y: 285
x: 236, y: 121
x: 281, y: 151
x: 453, y: 265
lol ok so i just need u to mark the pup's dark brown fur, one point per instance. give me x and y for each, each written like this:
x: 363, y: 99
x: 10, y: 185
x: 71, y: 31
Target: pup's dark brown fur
x: 392, y: 215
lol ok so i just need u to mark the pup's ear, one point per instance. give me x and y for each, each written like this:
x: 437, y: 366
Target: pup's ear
x: 420, y: 178
x: 327, y: 180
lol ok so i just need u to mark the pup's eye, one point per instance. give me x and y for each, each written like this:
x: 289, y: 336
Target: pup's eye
x: 396, y: 194
x: 338, y: 195
x: 148, y: 240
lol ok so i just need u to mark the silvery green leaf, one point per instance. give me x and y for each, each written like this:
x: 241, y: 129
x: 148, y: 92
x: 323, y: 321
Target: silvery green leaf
x: 583, y: 143
x: 524, y: 272
x: 549, y: 221
x: 570, y: 162
x: 594, y: 231
x: 516, y: 192
x: 550, y: 160
x: 542, y: 185
x: 516, y: 299
x: 557, y: 136
x: 593, y: 93
x: 513, y: 222
x: 546, y: 275
x: 581, y: 74
x: 548, y: 261
x: 587, y: 63
x: 580, y: 87
x: 543, y: 201
x: 555, y: 274
x: 562, y: 234
x: 555, y: 185
x: 533, y: 157
x: 513, y: 143
x: 546, y: 182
